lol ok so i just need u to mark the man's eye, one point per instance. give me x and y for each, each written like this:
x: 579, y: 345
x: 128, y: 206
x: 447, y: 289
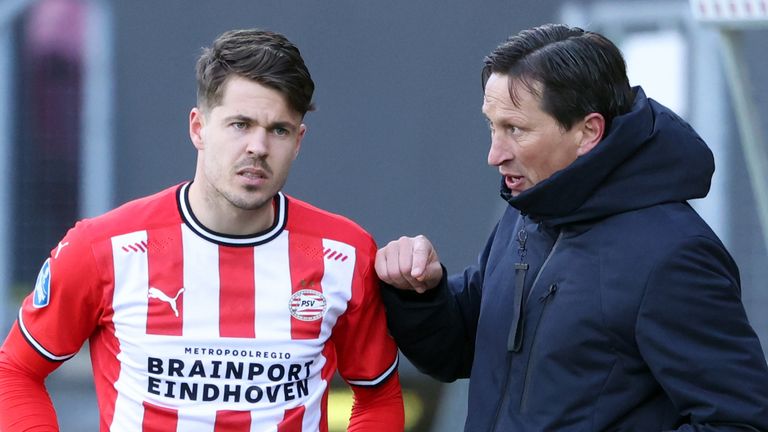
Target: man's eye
x: 281, y: 131
x: 239, y: 125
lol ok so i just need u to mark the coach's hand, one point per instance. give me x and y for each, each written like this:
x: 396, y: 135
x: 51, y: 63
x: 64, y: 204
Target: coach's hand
x: 409, y: 263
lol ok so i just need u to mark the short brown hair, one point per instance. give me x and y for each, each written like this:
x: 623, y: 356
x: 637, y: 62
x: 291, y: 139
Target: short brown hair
x: 263, y: 56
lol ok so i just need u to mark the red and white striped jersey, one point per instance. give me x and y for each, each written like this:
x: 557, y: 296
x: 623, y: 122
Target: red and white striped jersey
x: 193, y: 330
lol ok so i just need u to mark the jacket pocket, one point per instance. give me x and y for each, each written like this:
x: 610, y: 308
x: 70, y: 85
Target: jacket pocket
x: 546, y: 299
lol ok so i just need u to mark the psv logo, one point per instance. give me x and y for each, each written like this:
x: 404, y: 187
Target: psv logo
x: 307, y: 305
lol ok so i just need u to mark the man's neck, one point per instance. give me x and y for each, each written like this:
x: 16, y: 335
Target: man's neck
x: 219, y: 215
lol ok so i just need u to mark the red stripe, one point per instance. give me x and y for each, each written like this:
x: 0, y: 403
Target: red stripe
x: 166, y: 274
x: 307, y: 269
x: 232, y: 421
x: 329, y: 369
x: 237, y: 294
x: 105, y: 344
x: 292, y: 420
x: 158, y: 419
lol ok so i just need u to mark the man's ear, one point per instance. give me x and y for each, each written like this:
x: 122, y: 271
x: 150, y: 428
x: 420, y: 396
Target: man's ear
x: 592, y: 131
x: 196, y: 124
x: 299, y: 138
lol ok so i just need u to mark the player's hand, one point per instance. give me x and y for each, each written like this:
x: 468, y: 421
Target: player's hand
x: 409, y: 263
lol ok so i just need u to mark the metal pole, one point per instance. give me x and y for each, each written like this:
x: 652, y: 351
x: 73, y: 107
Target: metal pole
x: 97, y: 161
x: 749, y: 128
x: 9, y: 10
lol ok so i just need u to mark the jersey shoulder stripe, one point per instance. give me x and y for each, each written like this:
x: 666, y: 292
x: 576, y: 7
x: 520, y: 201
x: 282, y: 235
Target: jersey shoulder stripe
x: 379, y: 379
x: 37, y: 346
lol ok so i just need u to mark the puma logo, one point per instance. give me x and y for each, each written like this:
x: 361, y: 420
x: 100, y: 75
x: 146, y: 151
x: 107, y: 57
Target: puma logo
x: 157, y: 294
x: 59, y: 248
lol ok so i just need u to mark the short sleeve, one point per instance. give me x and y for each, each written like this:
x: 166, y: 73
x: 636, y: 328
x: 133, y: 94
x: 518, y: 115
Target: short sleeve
x: 367, y: 354
x: 64, y: 308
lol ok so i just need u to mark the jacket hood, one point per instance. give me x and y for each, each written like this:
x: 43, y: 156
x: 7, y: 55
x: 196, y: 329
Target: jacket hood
x: 649, y: 156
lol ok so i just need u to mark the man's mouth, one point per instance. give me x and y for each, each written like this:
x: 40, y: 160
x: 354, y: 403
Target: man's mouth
x: 252, y: 173
x: 513, y: 182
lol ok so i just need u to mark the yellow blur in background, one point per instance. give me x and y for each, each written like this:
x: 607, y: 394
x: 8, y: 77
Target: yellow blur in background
x: 340, y: 408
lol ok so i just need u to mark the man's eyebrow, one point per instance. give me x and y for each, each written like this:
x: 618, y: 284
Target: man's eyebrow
x: 274, y: 125
x: 238, y: 117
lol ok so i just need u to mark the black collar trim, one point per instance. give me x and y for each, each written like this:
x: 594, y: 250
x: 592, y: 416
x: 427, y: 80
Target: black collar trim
x: 185, y: 210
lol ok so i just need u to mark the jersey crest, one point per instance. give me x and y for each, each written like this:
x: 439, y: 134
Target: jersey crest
x: 307, y: 305
x: 42, y: 294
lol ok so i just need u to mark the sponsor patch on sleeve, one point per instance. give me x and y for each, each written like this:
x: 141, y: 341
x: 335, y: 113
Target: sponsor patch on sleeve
x: 42, y: 294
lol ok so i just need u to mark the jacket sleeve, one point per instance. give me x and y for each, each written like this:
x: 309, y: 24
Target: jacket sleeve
x: 378, y: 409
x: 436, y: 330
x: 24, y: 402
x: 693, y: 333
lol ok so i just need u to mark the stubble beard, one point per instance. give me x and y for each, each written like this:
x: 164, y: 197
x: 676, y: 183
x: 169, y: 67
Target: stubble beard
x: 243, y: 201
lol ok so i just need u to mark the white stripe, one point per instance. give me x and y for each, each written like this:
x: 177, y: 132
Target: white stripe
x: 312, y: 410
x: 266, y: 426
x: 201, y: 281
x: 337, y: 283
x: 37, y: 345
x: 272, y: 279
x: 195, y: 419
x: 130, y: 303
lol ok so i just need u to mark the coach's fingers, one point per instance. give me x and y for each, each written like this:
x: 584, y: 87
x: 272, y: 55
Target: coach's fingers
x: 388, y: 266
x: 426, y: 267
x: 409, y: 263
x: 421, y: 256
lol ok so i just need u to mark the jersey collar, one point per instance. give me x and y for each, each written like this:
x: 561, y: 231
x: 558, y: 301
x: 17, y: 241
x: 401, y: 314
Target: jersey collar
x: 281, y: 215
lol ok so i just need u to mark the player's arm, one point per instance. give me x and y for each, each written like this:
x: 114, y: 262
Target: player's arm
x: 367, y: 354
x: 24, y: 402
x: 378, y: 408
x: 46, y: 334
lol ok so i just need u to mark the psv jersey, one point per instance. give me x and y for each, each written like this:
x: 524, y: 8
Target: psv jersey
x: 193, y: 330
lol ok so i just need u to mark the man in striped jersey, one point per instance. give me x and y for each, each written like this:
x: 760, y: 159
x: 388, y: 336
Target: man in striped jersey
x: 219, y: 304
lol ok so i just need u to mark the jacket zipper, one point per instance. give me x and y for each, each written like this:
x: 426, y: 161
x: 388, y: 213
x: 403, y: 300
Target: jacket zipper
x: 503, y: 393
x: 545, y: 299
x: 522, y: 251
x: 522, y: 238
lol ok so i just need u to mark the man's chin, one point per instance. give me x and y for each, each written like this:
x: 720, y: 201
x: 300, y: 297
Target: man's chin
x: 255, y: 200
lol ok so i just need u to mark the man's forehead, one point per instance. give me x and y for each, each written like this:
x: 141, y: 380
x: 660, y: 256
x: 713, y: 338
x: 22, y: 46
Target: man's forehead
x: 507, y: 90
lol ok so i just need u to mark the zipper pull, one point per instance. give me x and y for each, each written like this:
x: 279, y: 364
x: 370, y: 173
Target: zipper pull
x: 550, y: 292
x: 522, y: 238
x: 515, y: 337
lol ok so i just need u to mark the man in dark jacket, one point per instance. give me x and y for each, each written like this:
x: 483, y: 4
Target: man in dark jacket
x: 602, y: 301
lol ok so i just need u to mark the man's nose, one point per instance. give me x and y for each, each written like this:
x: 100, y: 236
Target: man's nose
x: 498, y: 153
x: 258, y: 142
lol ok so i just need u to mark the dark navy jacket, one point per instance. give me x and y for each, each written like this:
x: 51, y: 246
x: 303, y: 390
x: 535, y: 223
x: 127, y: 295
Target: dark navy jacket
x: 630, y: 316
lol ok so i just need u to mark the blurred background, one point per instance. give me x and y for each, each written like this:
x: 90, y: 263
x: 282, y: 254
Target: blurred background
x: 95, y: 97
